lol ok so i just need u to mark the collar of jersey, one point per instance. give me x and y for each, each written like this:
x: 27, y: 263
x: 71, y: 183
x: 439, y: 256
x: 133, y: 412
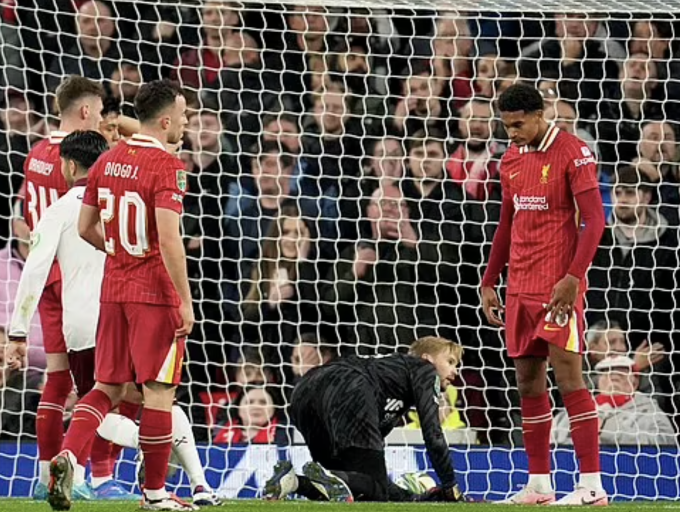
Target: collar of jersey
x: 145, y: 141
x: 57, y: 136
x: 546, y: 141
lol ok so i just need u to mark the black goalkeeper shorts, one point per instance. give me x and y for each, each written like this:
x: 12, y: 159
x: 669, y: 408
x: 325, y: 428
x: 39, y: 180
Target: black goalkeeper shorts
x: 334, y: 408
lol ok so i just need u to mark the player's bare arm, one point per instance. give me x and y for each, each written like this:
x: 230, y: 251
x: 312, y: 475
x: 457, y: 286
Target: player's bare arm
x: 498, y: 259
x: 89, y: 227
x: 174, y: 258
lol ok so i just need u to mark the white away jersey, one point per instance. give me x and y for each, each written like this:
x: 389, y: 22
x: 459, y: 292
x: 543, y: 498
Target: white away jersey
x: 82, y: 270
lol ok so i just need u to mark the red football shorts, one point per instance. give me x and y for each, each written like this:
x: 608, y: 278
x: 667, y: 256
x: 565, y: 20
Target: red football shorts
x: 51, y: 318
x: 527, y: 333
x: 136, y: 343
x: 82, y: 369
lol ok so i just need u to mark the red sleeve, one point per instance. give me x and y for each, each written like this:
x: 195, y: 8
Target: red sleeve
x: 91, y: 195
x: 592, y: 216
x: 500, y: 248
x: 581, y: 169
x: 171, y: 185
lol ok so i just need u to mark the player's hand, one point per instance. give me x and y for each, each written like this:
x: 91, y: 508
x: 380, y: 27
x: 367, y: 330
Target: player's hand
x: 647, y: 355
x: 186, y: 312
x: 15, y: 354
x: 450, y: 494
x: 491, y: 305
x: 563, y: 298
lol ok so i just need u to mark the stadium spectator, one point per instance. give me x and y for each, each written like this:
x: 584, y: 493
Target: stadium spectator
x: 282, y: 297
x: 489, y: 69
x: 384, y: 165
x: 200, y: 67
x: 255, y: 421
x: 581, y: 56
x: 422, y: 104
x: 606, y: 338
x: 633, y: 279
x: 563, y: 114
x: 125, y: 82
x: 659, y: 157
x: 95, y: 53
x: 370, y: 293
x: 332, y: 145
x: 627, y: 417
x: 655, y: 39
x: 252, y: 203
x: 449, y: 416
x: 618, y: 130
x: 474, y: 163
x: 17, y: 129
x: 450, y: 47
x: 12, y: 259
x: 309, y: 352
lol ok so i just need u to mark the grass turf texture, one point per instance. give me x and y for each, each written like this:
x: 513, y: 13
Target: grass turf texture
x: 12, y: 505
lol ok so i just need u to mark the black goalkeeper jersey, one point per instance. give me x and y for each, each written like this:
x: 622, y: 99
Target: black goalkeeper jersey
x: 400, y: 382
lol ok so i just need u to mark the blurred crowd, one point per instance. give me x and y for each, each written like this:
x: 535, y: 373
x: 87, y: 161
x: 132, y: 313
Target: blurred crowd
x: 343, y: 188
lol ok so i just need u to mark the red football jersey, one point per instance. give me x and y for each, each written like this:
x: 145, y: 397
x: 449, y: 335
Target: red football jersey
x: 44, y: 183
x: 127, y: 184
x: 543, y: 183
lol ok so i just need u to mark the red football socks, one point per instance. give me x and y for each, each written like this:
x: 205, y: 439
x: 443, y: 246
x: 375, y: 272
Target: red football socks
x: 155, y: 439
x: 87, y: 416
x: 49, y: 424
x: 100, y: 457
x: 584, y: 429
x: 536, y: 425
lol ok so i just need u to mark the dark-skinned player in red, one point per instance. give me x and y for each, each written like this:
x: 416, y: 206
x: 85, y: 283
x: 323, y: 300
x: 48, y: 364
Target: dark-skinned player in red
x: 551, y: 223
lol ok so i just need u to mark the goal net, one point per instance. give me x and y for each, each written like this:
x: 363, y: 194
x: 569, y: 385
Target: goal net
x: 343, y: 192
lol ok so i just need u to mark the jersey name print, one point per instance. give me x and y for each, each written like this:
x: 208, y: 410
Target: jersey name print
x: 543, y: 183
x: 127, y: 184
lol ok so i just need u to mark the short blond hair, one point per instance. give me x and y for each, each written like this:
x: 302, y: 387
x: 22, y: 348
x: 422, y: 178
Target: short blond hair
x: 434, y: 346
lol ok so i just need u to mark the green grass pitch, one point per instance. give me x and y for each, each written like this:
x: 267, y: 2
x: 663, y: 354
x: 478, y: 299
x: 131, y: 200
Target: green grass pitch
x: 10, y: 505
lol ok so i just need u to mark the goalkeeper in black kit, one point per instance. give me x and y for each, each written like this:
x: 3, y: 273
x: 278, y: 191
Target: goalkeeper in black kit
x: 345, y: 409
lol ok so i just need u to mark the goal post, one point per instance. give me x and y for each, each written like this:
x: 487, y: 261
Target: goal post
x: 342, y: 174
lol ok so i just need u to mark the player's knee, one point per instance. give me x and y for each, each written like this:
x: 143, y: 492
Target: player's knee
x: 158, y: 395
x: 115, y: 392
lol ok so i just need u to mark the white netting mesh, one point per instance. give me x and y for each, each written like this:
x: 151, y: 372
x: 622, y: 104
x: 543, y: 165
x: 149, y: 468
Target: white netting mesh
x: 302, y: 113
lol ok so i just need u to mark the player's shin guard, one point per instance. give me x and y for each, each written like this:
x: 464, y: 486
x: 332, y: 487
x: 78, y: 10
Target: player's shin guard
x: 536, y: 426
x: 87, y: 416
x: 584, y: 424
x: 49, y: 424
x: 155, y: 439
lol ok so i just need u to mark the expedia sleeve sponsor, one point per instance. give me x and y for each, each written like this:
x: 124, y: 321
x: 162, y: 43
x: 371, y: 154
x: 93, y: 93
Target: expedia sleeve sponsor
x: 530, y: 202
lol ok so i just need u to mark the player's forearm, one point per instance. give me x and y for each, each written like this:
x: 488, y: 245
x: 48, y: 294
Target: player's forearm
x: 94, y: 236
x: 592, y: 215
x: 128, y: 126
x: 500, y: 248
x: 175, y: 261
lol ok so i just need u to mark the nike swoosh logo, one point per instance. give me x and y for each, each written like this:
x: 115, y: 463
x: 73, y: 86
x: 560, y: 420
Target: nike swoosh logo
x: 514, y: 175
x: 551, y: 328
x: 544, y: 501
x: 589, y: 502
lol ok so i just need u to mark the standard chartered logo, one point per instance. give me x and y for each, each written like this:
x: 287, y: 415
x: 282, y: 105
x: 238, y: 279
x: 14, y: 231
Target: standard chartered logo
x: 530, y: 202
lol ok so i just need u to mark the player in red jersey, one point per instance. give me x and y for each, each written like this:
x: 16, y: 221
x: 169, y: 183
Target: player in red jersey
x: 131, y: 210
x: 79, y: 101
x: 551, y: 223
